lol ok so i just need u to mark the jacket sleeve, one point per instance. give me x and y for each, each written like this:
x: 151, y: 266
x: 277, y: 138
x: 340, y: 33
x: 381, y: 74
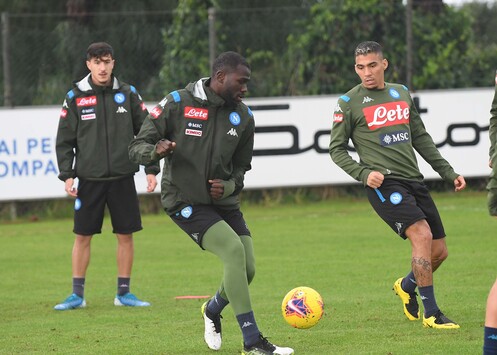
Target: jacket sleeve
x: 339, y: 139
x: 139, y: 114
x: 492, y: 129
x: 153, y: 129
x: 66, y: 140
x: 425, y: 146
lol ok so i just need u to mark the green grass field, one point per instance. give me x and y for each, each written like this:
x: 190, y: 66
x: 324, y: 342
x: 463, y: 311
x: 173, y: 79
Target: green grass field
x: 339, y: 247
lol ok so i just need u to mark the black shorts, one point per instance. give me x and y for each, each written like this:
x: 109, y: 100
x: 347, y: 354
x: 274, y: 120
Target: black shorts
x: 196, y: 220
x: 402, y: 203
x: 119, y: 196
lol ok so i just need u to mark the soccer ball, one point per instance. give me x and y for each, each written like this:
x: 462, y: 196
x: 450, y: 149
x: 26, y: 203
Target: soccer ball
x: 302, y: 307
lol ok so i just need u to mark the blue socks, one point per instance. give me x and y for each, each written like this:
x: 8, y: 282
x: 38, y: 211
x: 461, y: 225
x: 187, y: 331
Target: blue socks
x: 408, y: 283
x: 216, y: 304
x: 490, y: 341
x: 78, y: 286
x: 427, y: 295
x: 250, y: 331
x: 123, y: 285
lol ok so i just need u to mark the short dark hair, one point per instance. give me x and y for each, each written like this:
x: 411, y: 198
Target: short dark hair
x: 228, y: 60
x: 366, y: 47
x: 98, y: 50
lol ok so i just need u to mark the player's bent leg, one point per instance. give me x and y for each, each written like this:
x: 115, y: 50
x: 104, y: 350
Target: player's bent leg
x: 419, y: 234
x: 222, y: 241
x: 249, y: 256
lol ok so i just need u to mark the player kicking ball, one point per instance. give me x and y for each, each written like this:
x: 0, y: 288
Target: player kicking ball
x: 382, y: 121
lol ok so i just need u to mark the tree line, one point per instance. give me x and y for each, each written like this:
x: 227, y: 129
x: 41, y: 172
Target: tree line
x: 295, y: 47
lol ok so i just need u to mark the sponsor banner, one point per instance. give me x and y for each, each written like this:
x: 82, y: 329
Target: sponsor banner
x: 291, y: 141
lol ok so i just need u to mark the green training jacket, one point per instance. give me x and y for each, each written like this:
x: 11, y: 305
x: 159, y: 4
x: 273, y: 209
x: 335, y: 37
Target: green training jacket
x: 213, y: 141
x: 385, y: 129
x: 96, y: 125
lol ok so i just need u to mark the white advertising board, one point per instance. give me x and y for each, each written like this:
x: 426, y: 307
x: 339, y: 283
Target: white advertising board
x: 291, y: 142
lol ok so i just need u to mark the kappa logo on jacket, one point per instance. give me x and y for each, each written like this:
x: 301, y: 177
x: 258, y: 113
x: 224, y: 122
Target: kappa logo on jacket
x: 121, y: 109
x: 366, y: 99
x: 387, y: 114
x: 232, y: 132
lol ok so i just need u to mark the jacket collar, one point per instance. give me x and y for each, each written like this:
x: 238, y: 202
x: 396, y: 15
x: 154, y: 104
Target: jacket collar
x: 203, y: 93
x: 86, y: 85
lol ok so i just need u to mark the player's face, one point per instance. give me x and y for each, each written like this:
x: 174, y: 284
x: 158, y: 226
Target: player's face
x: 101, y: 69
x: 234, y: 84
x: 371, y: 69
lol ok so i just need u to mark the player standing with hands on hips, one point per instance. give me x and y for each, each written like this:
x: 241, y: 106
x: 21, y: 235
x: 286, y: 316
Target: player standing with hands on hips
x: 206, y: 135
x: 381, y: 120
x: 99, y: 117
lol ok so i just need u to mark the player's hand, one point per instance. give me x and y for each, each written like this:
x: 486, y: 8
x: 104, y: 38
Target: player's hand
x: 164, y: 147
x: 459, y: 183
x: 70, y: 189
x: 151, y: 182
x: 375, y: 179
x: 217, y: 189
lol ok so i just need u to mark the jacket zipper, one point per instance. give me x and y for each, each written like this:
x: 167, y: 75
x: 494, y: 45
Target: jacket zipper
x: 209, y: 156
x: 106, y: 132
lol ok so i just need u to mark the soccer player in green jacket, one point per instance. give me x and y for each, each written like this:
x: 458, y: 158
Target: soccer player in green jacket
x: 205, y: 134
x: 385, y: 128
x: 99, y: 117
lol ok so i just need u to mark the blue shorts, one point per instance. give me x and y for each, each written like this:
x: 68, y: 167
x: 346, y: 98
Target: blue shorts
x: 401, y: 203
x: 196, y: 220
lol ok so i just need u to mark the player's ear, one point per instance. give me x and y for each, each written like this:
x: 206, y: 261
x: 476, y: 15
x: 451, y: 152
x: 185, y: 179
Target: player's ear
x: 385, y: 64
x: 220, y: 76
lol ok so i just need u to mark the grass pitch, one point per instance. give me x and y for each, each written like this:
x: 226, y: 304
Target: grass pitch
x: 338, y: 247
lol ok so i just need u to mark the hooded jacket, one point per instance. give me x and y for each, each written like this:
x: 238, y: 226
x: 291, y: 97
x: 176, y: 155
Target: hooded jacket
x: 96, y: 125
x: 213, y: 141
